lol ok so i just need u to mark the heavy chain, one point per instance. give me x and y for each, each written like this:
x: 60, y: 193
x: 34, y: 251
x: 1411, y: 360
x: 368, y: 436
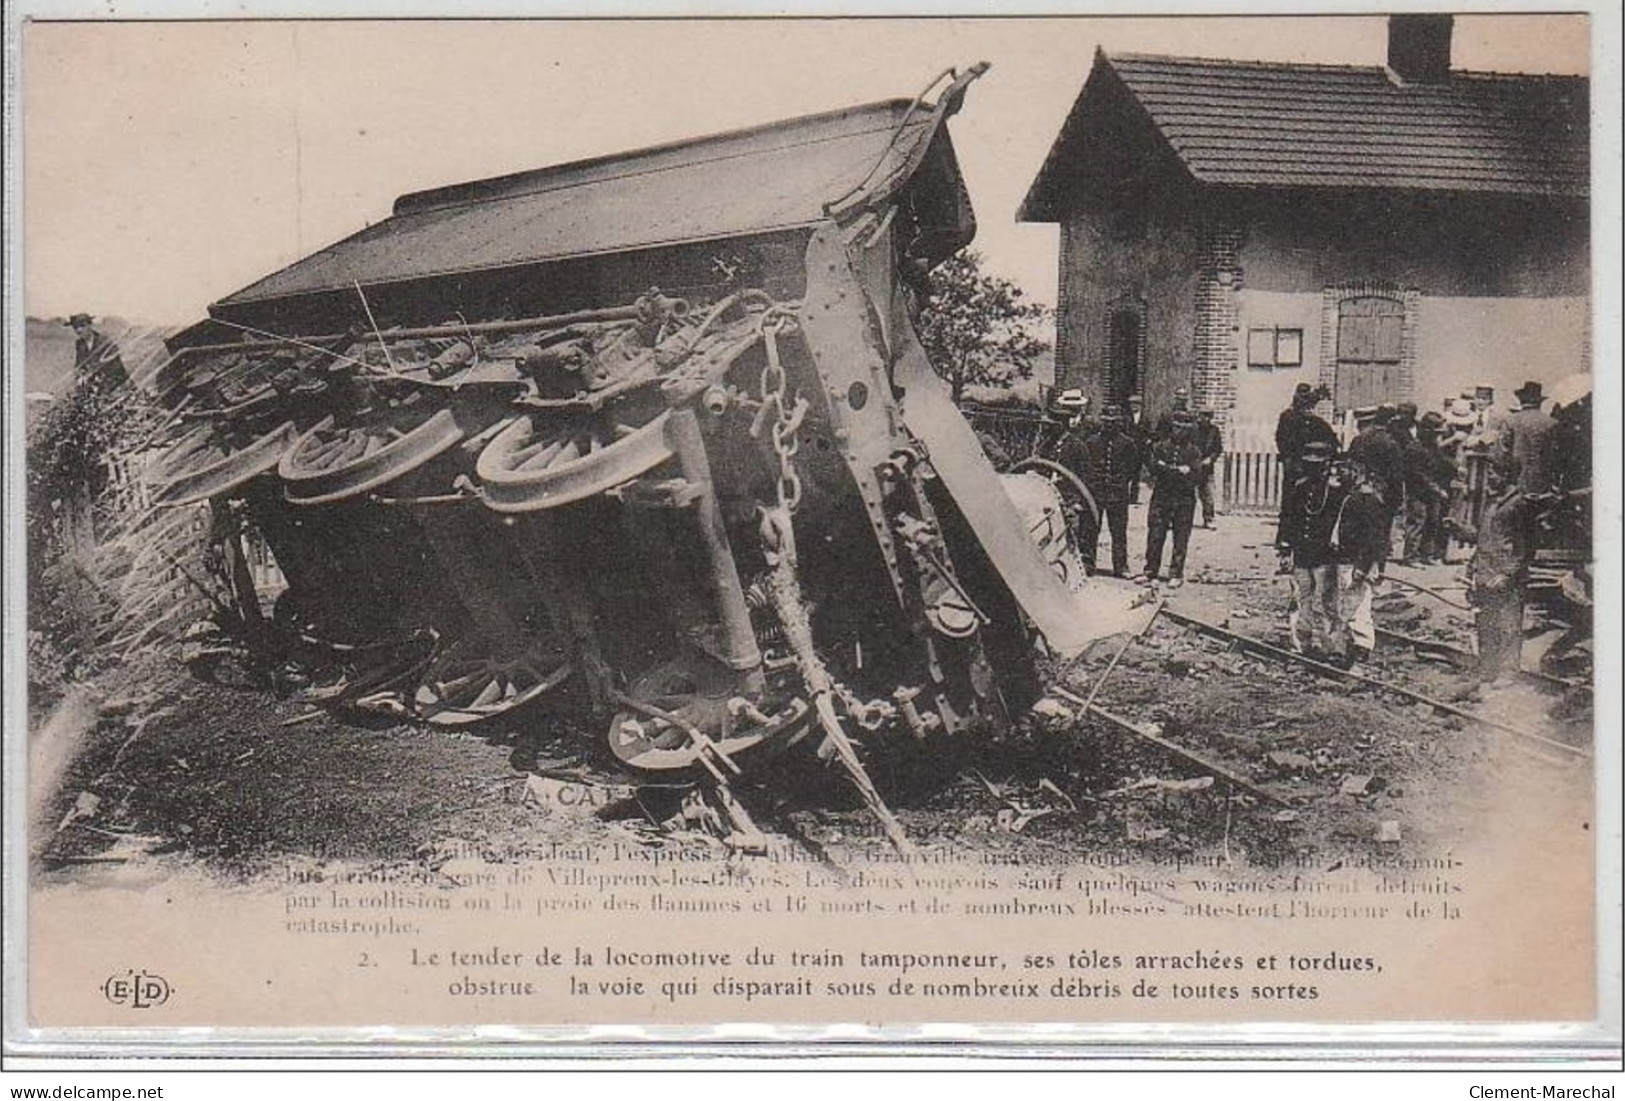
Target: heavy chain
x: 786, y: 418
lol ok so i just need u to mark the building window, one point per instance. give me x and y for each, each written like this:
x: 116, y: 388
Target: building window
x: 1270, y: 348
x: 1369, y: 330
x: 1370, y: 350
x: 1125, y: 349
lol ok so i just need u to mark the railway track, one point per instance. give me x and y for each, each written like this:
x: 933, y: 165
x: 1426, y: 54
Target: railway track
x: 1463, y: 658
x: 1550, y: 746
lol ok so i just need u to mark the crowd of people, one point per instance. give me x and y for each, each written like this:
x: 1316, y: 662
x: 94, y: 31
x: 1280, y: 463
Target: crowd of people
x: 1113, y: 453
x: 1399, y: 492
x: 1401, y: 488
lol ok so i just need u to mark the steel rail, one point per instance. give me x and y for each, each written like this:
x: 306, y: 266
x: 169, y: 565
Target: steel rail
x: 1205, y: 764
x: 1466, y: 659
x: 1332, y: 672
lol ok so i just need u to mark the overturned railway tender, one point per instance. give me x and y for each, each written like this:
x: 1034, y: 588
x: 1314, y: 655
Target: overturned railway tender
x: 498, y: 467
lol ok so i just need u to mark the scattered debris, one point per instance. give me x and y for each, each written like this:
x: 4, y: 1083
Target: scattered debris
x: 1053, y: 710
x: 1289, y: 761
x: 1016, y: 819
x: 1359, y: 785
x: 85, y: 805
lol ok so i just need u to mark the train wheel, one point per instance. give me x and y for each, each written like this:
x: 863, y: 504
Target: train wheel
x: 468, y: 684
x: 534, y: 464
x: 205, y: 464
x: 654, y: 728
x: 332, y: 463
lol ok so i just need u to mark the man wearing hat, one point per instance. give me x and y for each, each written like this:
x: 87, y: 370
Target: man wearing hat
x: 1108, y: 461
x: 1175, y: 467
x: 1523, y: 451
x: 97, y: 362
x: 1298, y: 426
x: 1069, y: 416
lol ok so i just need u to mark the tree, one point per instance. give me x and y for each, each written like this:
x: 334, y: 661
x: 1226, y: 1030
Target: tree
x: 978, y: 329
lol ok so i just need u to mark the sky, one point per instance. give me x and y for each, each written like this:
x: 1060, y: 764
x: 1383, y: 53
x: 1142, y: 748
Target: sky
x: 167, y: 165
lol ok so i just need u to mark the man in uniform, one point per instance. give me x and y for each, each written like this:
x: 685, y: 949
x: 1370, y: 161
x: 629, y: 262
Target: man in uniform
x: 1315, y: 623
x: 1165, y: 423
x: 1337, y: 535
x: 1108, y: 461
x: 1174, y: 469
x: 1377, y: 453
x: 1297, y: 426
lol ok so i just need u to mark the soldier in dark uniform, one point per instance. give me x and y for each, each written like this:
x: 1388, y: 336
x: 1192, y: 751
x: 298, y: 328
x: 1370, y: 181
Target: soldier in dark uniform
x: 1174, y: 469
x: 1165, y: 423
x: 1297, y: 427
x: 1336, y: 534
x: 1108, y: 461
x: 1376, y: 452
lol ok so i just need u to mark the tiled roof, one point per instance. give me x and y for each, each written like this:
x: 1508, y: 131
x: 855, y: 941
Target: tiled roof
x: 1257, y: 124
x: 773, y: 177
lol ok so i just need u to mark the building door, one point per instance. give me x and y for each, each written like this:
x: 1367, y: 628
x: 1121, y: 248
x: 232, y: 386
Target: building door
x: 1370, y: 334
x: 1125, y: 349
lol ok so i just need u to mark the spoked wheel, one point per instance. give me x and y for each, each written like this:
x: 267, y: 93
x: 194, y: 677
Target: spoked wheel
x: 537, y: 464
x: 655, y: 727
x: 1059, y: 547
x: 360, y: 672
x: 207, y: 462
x: 469, y: 684
x: 333, y: 462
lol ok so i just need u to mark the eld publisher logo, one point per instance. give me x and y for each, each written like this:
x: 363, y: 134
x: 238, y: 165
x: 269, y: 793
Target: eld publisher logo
x: 136, y: 989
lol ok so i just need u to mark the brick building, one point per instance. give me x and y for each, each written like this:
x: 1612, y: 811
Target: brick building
x: 1397, y: 232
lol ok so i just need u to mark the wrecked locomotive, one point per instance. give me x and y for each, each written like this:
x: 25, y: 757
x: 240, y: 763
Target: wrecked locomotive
x: 495, y: 469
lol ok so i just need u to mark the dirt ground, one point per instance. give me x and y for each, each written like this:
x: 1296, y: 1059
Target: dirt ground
x: 147, y: 764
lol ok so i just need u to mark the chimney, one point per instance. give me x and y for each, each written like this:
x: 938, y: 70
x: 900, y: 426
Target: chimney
x: 1419, y: 48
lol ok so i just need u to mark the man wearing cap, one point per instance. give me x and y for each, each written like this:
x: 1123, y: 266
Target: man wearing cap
x: 1165, y: 423
x: 1296, y: 428
x: 1378, y: 456
x: 1108, y: 461
x: 1315, y: 621
x: 1174, y: 468
x: 97, y: 362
